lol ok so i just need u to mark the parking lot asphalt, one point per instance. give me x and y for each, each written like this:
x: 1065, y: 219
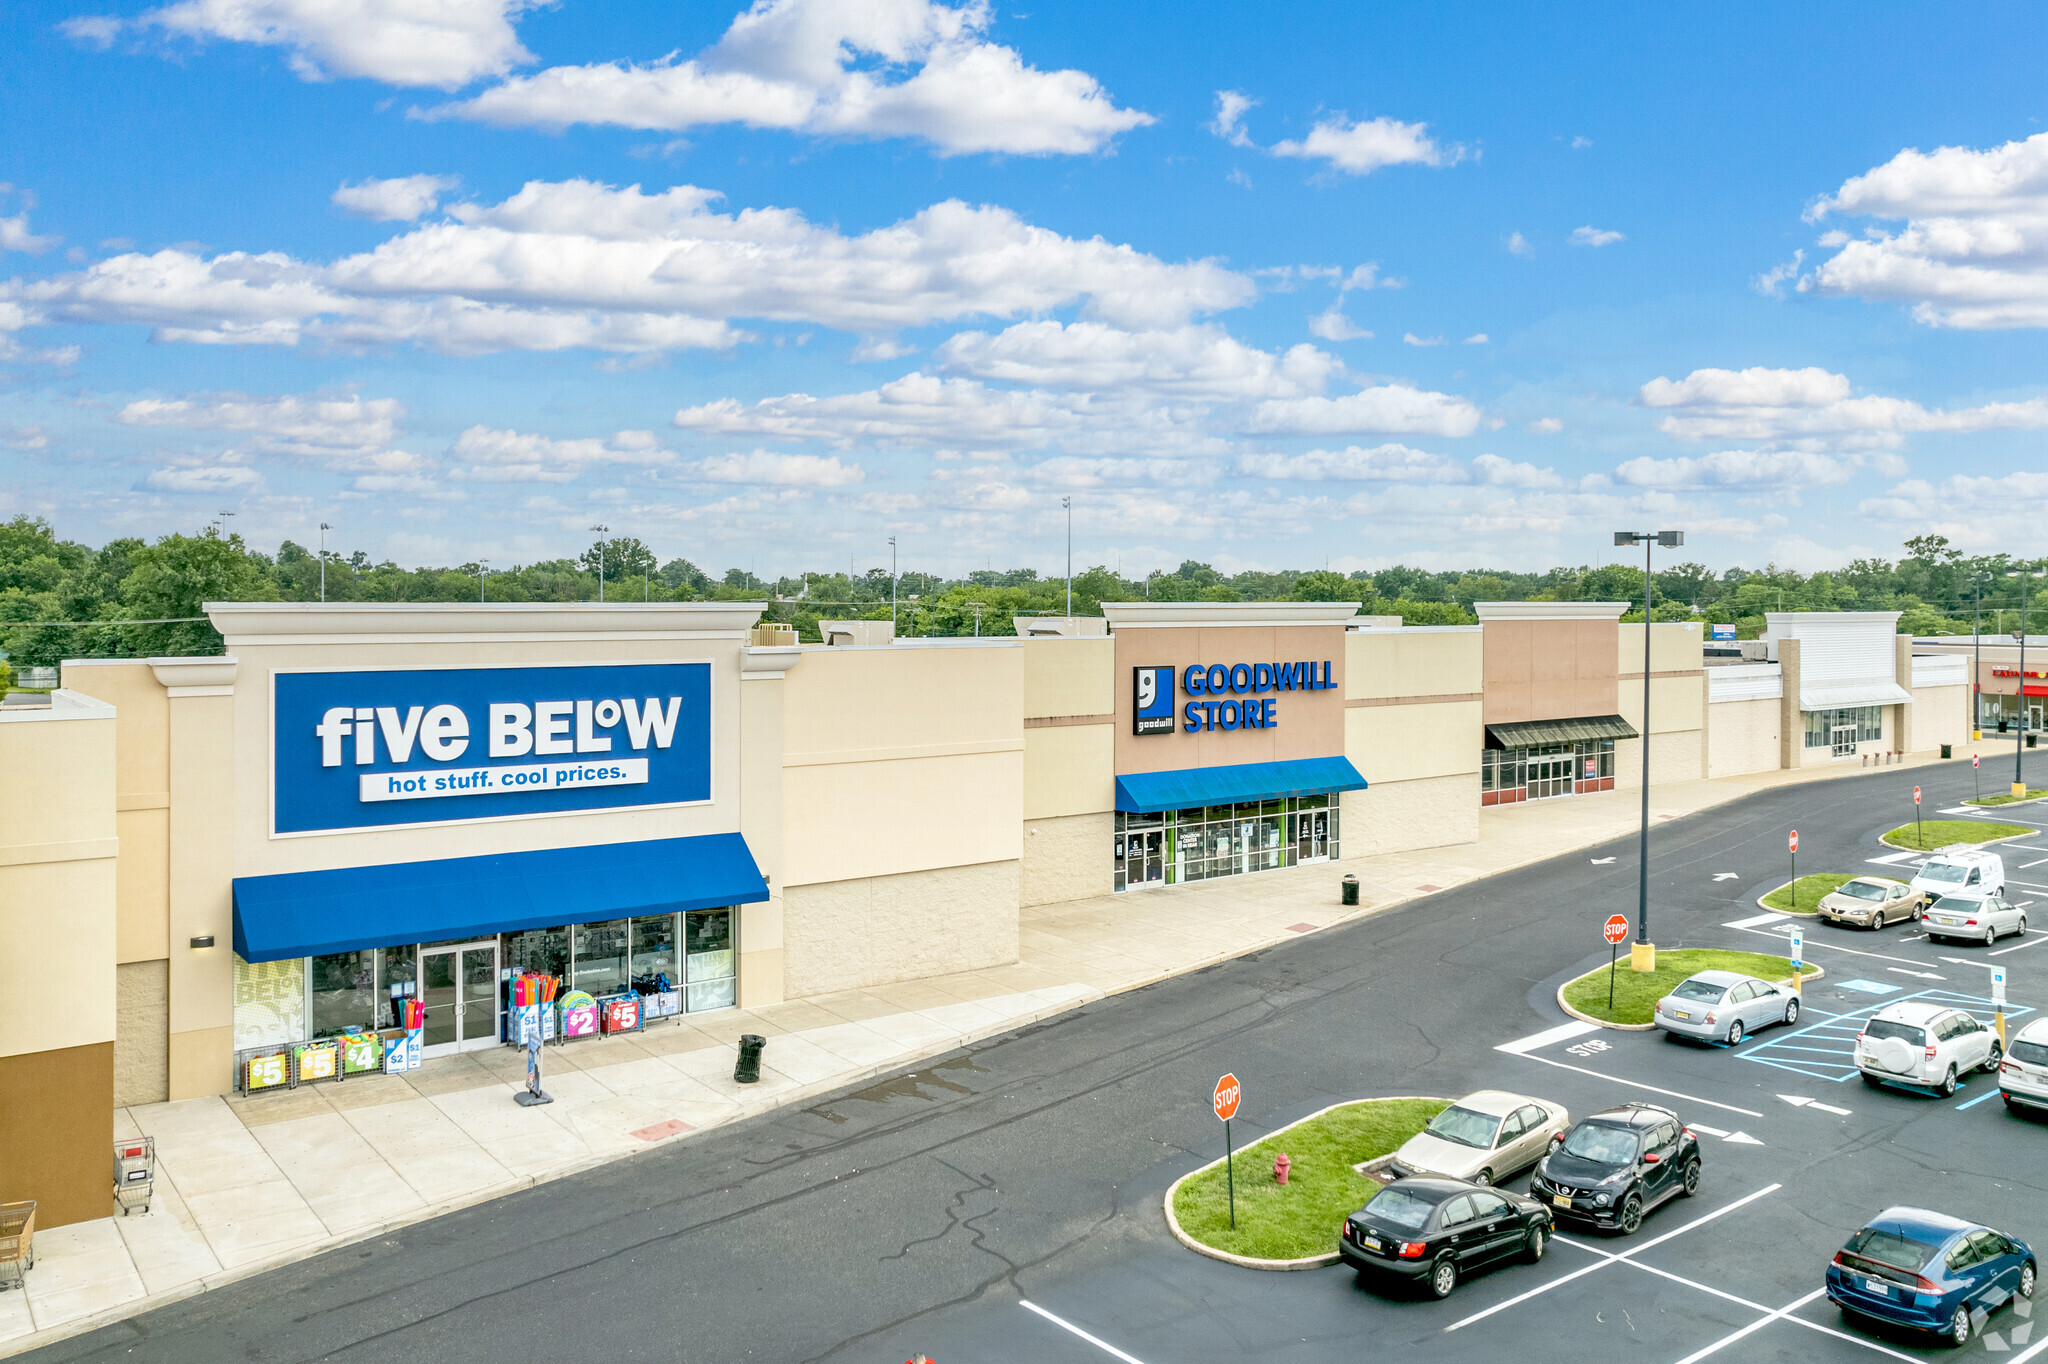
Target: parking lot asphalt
x: 1004, y: 1203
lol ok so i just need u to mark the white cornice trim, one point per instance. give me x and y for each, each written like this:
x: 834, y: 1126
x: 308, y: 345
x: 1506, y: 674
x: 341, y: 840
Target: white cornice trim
x: 1549, y: 610
x: 182, y: 677
x: 354, y: 623
x: 1127, y: 615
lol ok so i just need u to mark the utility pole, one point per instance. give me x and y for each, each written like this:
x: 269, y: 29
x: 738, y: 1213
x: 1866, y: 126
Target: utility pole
x: 601, y: 530
x: 1670, y: 539
x: 323, y: 560
x: 1068, y: 503
x: 892, y: 585
x: 975, y: 607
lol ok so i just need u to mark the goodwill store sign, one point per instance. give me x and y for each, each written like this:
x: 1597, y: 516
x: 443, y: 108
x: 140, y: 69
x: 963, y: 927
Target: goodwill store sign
x: 372, y: 749
x: 1223, y: 695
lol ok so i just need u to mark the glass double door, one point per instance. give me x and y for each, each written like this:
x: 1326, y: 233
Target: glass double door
x: 1549, y: 775
x: 1844, y: 741
x: 1312, y: 836
x: 459, y: 985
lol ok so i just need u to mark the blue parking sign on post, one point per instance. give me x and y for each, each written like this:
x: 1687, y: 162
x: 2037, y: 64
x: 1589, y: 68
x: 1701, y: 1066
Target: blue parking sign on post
x: 1998, y: 1001
x: 1798, y: 952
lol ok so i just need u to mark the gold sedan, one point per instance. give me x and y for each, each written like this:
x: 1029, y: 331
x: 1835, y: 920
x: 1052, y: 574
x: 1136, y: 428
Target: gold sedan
x: 1871, y: 902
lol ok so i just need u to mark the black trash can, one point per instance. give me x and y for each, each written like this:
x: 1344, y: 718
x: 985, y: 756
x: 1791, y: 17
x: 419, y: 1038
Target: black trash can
x: 2001, y: 725
x: 2031, y: 738
x: 1350, y: 888
x: 1945, y: 753
x: 748, y: 1070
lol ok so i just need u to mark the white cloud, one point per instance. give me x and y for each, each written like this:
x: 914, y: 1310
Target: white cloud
x: 402, y: 199
x: 1411, y: 339
x: 24, y: 438
x: 289, y: 424
x: 1505, y: 473
x: 486, y: 455
x: 1813, y: 408
x: 1231, y: 107
x: 1201, y: 361
x: 1518, y: 245
x: 1332, y: 325
x: 825, y: 67
x: 204, y: 478
x: 1476, y: 339
x: 769, y: 467
x: 1595, y: 236
x: 917, y: 408
x: 1547, y: 426
x: 580, y: 264
x: 1580, y: 144
x: 1364, y: 147
x: 1739, y: 469
x: 440, y: 43
x: 1391, y: 463
x: 15, y: 236
x: 872, y: 348
x: 1974, y: 250
x: 1395, y: 409
x: 1771, y: 283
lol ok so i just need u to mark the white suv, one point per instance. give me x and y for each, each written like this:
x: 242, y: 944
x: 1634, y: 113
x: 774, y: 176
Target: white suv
x: 2023, y: 1078
x: 1926, y: 1045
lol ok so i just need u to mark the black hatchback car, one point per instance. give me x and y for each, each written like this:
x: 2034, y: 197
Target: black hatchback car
x: 1434, y: 1232
x: 1617, y: 1165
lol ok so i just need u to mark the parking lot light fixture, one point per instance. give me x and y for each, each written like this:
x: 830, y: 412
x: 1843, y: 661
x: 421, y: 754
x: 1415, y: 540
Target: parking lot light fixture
x: 2019, y: 749
x: 1643, y: 954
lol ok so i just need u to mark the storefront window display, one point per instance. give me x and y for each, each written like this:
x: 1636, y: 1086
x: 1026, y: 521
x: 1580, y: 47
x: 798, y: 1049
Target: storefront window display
x: 707, y: 938
x: 600, y: 965
x: 342, y: 992
x: 1821, y: 725
x: 538, y: 951
x: 654, y: 951
x: 1545, y: 771
x: 1223, y: 840
x: 270, y: 1002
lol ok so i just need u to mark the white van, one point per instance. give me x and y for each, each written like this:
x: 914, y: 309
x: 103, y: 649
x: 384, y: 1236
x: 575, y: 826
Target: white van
x: 1972, y: 875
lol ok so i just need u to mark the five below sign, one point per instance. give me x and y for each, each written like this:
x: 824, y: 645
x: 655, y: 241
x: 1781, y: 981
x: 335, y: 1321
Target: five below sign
x: 1237, y: 695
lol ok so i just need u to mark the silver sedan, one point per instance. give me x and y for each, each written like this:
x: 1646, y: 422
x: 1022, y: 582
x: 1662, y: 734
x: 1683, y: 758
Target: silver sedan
x: 1724, y: 1006
x: 1986, y: 920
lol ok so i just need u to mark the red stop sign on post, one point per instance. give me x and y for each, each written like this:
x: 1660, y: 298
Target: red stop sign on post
x: 1794, y: 847
x: 1973, y: 760
x: 1916, y: 795
x: 1226, y: 1097
x: 1615, y: 929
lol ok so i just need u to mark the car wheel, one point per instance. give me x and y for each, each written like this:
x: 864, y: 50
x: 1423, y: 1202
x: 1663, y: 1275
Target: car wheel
x: 1958, y: 1332
x: 1483, y: 1177
x: 2027, y: 1279
x: 1877, y: 921
x: 1990, y: 1066
x: 1444, y: 1278
x: 1631, y: 1215
x: 1791, y: 1012
x: 1532, y: 1251
x: 2023, y: 926
x: 1948, y: 1083
x: 1735, y: 1033
x: 1692, y: 1178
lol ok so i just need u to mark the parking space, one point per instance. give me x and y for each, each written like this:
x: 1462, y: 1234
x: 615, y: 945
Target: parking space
x: 1825, y: 1049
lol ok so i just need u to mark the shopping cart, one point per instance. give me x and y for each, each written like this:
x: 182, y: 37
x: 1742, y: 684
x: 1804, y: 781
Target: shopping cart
x: 134, y: 1174
x: 17, y: 1242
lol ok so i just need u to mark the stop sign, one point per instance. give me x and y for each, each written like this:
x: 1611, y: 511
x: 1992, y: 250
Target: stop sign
x: 1973, y: 760
x: 1615, y: 929
x: 1916, y: 795
x: 1795, y: 840
x: 1225, y: 1099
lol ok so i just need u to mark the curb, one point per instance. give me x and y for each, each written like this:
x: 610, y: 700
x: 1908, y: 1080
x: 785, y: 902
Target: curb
x: 1773, y: 909
x: 1805, y: 976
x: 1886, y: 839
x: 1250, y: 1262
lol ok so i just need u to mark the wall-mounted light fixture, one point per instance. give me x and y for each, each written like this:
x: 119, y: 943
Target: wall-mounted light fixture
x: 200, y: 943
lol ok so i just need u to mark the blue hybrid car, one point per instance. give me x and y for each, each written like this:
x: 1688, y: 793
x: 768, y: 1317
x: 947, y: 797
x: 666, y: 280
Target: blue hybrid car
x: 1929, y: 1271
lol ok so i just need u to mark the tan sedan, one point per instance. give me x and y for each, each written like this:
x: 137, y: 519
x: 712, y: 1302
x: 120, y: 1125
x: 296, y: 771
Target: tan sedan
x: 1871, y: 902
x: 1484, y: 1137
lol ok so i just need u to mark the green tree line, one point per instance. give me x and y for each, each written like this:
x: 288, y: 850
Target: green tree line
x: 131, y: 598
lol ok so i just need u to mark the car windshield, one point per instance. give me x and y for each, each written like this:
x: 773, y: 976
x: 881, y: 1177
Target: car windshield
x: 1893, y: 1248
x: 1862, y: 890
x: 1401, y: 1208
x: 2033, y: 1053
x: 1464, y: 1127
x: 1944, y: 873
x: 1597, y: 1141
x: 1885, y: 1027
x: 1704, y: 991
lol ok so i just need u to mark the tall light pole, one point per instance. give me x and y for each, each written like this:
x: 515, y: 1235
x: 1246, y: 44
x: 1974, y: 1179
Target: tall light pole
x: 892, y: 586
x: 1068, y: 503
x: 1669, y: 539
x: 224, y: 523
x: 323, y: 560
x: 601, y: 530
x: 483, y: 571
x: 2019, y: 780
x: 1977, y: 667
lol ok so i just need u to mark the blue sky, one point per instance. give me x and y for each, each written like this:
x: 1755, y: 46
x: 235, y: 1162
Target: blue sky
x: 1264, y: 286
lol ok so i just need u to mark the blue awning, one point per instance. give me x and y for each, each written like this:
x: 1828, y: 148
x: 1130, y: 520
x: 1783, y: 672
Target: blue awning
x: 309, y: 913
x: 1145, y: 793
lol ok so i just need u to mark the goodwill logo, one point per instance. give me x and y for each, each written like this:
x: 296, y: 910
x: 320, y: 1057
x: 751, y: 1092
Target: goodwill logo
x: 368, y: 749
x: 1247, y: 684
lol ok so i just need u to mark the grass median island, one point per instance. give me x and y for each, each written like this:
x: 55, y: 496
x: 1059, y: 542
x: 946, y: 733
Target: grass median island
x: 1303, y: 1217
x: 1636, y: 992
x: 1810, y: 887
x: 2033, y: 793
x: 1927, y: 835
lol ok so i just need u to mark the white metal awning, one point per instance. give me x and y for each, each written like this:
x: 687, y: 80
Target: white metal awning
x: 1844, y: 694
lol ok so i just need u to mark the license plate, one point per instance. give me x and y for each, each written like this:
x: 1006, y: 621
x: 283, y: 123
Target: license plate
x: 1877, y: 1286
x: 1560, y: 1200
x: 1683, y: 1014
x: 1373, y: 1243
x: 1950, y: 922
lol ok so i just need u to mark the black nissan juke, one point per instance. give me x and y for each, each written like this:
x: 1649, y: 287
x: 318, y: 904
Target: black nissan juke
x: 1617, y: 1165
x: 1434, y: 1232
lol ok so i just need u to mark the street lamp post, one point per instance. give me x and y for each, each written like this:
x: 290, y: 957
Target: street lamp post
x: 601, y: 530
x: 1643, y: 957
x: 1068, y: 503
x: 2019, y: 749
x: 1977, y: 666
x: 892, y: 586
x: 323, y: 560
x: 483, y: 571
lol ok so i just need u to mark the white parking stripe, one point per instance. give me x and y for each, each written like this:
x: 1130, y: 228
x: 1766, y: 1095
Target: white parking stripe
x: 2032, y: 938
x: 1638, y: 1084
x: 1625, y: 1255
x: 1102, y: 1345
x: 1759, y: 919
x: 1753, y: 1327
x: 1524, y: 1045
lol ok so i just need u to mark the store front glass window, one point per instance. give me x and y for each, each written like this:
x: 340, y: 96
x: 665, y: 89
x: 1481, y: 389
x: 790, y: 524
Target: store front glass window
x: 270, y: 1002
x: 538, y: 951
x: 397, y: 977
x: 1222, y: 840
x: 654, y: 952
x: 707, y: 939
x: 344, y: 992
x: 601, y: 957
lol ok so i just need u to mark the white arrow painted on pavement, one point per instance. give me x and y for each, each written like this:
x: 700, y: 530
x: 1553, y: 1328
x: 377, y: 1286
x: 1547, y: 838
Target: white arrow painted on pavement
x: 1742, y: 1139
x: 1801, y: 1101
x: 1599, y: 861
x: 1727, y: 876
x: 1710, y: 1131
x: 1830, y: 1108
x: 1924, y: 975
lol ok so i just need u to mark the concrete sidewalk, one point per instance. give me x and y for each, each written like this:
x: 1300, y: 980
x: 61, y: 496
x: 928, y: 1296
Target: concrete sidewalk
x: 248, y: 1183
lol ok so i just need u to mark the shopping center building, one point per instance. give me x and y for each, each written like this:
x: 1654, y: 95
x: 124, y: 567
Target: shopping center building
x: 250, y: 865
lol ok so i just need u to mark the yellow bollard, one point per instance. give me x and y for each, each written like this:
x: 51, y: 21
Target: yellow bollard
x: 1642, y: 956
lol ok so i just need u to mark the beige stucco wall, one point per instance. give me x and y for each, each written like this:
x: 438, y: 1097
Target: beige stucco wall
x: 1067, y: 858
x: 57, y: 877
x: 1395, y: 743
x: 142, y: 794
x: 1401, y: 816
x: 1677, y: 756
x: 142, y: 1002
x: 1675, y: 646
x: 850, y: 934
x: 1941, y: 715
x: 1068, y: 770
x: 1420, y: 662
x: 1742, y: 736
x: 1678, y: 704
x: 1066, y: 677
